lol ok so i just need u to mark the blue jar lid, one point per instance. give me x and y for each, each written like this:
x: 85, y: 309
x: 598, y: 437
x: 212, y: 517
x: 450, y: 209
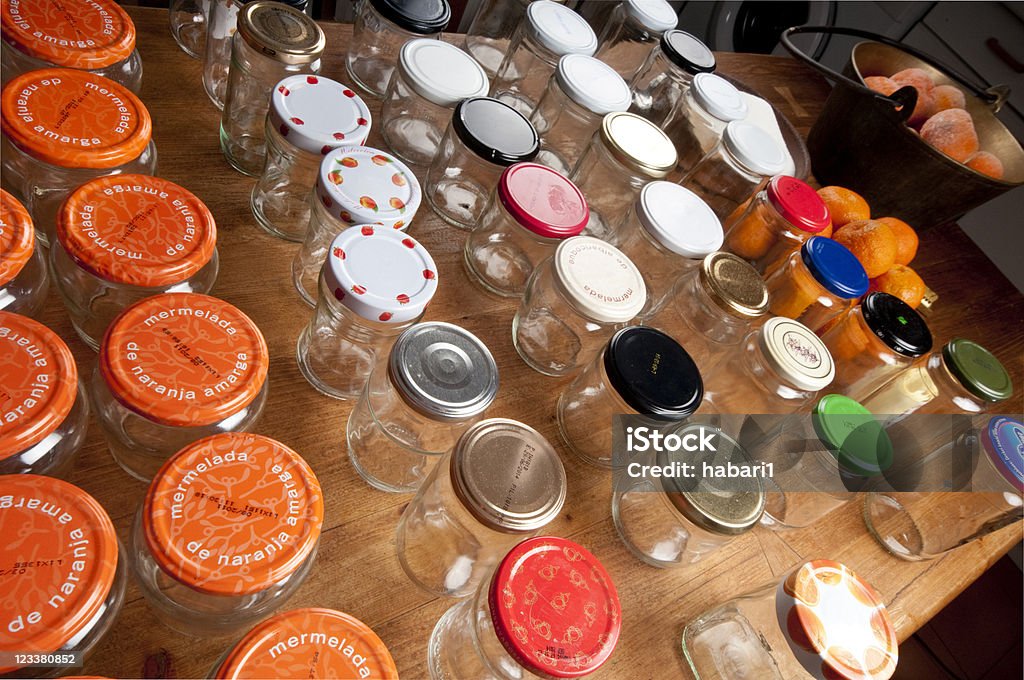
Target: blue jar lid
x: 835, y: 267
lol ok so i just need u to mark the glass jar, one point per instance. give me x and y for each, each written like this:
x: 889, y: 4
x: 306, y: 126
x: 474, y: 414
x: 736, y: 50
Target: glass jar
x: 733, y: 171
x: 670, y: 230
x: 126, y: 237
x: 381, y: 28
x: 227, y: 532
x: 666, y: 75
x: 174, y: 368
x: 632, y: 31
x: 484, y: 137
x: 23, y: 280
x: 501, y: 483
x: 188, y: 19
x: 874, y: 341
x: 363, y: 306
x: 46, y: 413
x: 320, y: 642
x: 572, y: 106
x: 359, y: 185
x: 777, y: 221
x: 272, y: 41
x: 697, y: 123
x: 309, y: 117
x: 65, y: 571
x: 623, y: 156
x: 549, y: 31
x: 87, y: 35
x: 431, y: 79
x: 822, y: 620
x: 438, y: 380
x: 491, y: 29
x: 62, y: 128
x: 533, y: 208
x: 641, y: 371
x: 573, y: 303
x: 498, y: 634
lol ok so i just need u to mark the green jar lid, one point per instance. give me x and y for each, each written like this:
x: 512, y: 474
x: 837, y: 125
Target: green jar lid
x: 978, y: 370
x: 852, y: 434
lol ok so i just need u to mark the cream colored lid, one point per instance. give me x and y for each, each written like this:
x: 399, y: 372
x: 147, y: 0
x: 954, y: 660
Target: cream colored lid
x: 797, y: 354
x: 599, y: 280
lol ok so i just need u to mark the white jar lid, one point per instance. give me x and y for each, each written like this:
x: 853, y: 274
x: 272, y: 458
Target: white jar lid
x: 679, y: 219
x: 318, y: 114
x: 380, y: 274
x: 654, y: 15
x: 363, y: 185
x: 440, y: 72
x: 754, y: 148
x: 599, y: 280
x: 797, y: 354
x: 719, y: 97
x: 560, y: 29
x: 592, y: 84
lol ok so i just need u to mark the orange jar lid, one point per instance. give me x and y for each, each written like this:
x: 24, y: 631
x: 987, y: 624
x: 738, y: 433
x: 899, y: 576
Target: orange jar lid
x: 74, y: 119
x: 309, y: 643
x: 82, y: 34
x: 38, y: 383
x: 233, y: 514
x: 183, y: 359
x: 60, y: 560
x: 137, y: 230
x: 17, y: 237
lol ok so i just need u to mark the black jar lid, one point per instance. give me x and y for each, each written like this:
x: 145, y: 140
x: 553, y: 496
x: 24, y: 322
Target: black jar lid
x: 417, y: 16
x: 495, y: 131
x: 896, y: 324
x: 687, y: 52
x: 653, y: 373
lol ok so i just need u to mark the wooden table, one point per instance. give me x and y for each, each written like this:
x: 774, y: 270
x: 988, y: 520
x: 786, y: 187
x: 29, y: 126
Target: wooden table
x: 356, y: 569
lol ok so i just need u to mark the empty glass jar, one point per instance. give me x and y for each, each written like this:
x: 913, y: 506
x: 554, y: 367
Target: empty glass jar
x: 23, y: 280
x: 698, y: 121
x: 489, y: 33
x: 632, y: 31
x: 438, y: 380
x: 666, y: 75
x: 188, y: 20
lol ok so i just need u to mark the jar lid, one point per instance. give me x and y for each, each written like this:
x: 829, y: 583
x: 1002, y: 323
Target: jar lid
x: 796, y: 354
x: 833, y: 266
x: 74, y: 119
x: 282, y: 33
x: 508, y: 476
x: 543, y: 201
x: 40, y: 382
x: 1003, y: 441
x: 719, y: 97
x: 687, y: 52
x: 734, y: 285
x: 17, y: 237
x: 592, y: 84
x: 978, y: 370
x: 321, y: 643
x: 638, y: 144
x: 380, y: 274
x: 317, y: 114
x: 49, y: 525
x: 443, y: 371
x: 754, y: 148
x: 851, y: 433
x: 183, y: 359
x: 363, y: 185
x: 798, y: 203
x: 79, y: 34
x: 137, y: 230
x: 653, y: 373
x: 679, y: 219
x: 440, y: 72
x: 555, y: 608
x: 836, y: 624
x: 599, y: 280
x: 495, y: 131
x: 896, y: 324
x: 654, y: 15
x: 233, y: 514
x: 560, y: 29
x: 416, y: 16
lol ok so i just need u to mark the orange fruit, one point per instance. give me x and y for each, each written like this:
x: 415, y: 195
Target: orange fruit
x: 906, y: 239
x: 903, y: 282
x: 881, y: 84
x: 872, y: 242
x: 922, y: 82
x: 987, y: 164
x: 947, y: 97
x: 844, y: 205
x: 952, y: 132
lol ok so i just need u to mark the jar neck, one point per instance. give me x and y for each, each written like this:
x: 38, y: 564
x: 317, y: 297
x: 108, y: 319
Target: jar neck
x: 738, y: 167
x: 637, y: 178
x: 352, y: 326
x: 571, y: 107
x: 947, y: 384
x: 709, y: 313
x: 280, y: 145
x: 755, y: 365
x: 538, y: 50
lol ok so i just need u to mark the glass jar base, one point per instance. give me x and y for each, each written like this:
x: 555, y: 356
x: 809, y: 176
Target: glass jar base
x: 264, y: 222
x: 248, y: 162
x: 375, y: 482
x: 643, y: 557
x: 893, y: 528
x: 434, y: 664
x: 729, y: 633
x: 604, y: 463
x: 484, y: 283
x: 381, y: 67
x: 93, y: 343
x: 540, y: 368
x: 517, y: 101
x: 142, y: 467
x: 313, y: 379
x: 191, y: 38
x: 413, y: 141
x: 463, y: 204
x: 553, y: 160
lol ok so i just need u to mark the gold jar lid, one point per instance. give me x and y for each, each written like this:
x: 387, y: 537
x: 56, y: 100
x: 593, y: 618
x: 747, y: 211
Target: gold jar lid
x: 281, y: 32
x: 734, y: 285
x: 638, y: 144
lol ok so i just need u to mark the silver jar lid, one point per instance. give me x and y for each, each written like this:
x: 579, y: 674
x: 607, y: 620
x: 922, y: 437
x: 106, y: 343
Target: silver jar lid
x: 282, y: 33
x: 443, y: 371
x: 508, y: 476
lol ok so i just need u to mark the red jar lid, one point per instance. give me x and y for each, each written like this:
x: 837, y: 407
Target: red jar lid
x: 799, y: 204
x: 543, y: 201
x: 550, y: 589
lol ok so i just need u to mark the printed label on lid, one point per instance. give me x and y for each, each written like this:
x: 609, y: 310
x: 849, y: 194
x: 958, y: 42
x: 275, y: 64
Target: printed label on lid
x: 543, y: 201
x: 317, y: 114
x: 599, y: 279
x: 363, y: 185
x: 80, y: 34
x: 1004, y: 442
x: 17, y: 237
x: 184, y: 359
x: 797, y: 354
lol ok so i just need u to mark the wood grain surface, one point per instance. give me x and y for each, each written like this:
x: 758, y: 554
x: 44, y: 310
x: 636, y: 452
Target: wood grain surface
x: 356, y: 569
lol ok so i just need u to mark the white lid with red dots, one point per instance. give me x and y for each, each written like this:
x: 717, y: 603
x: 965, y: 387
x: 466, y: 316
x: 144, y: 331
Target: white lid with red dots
x: 380, y: 274
x: 363, y: 185
x: 318, y: 114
